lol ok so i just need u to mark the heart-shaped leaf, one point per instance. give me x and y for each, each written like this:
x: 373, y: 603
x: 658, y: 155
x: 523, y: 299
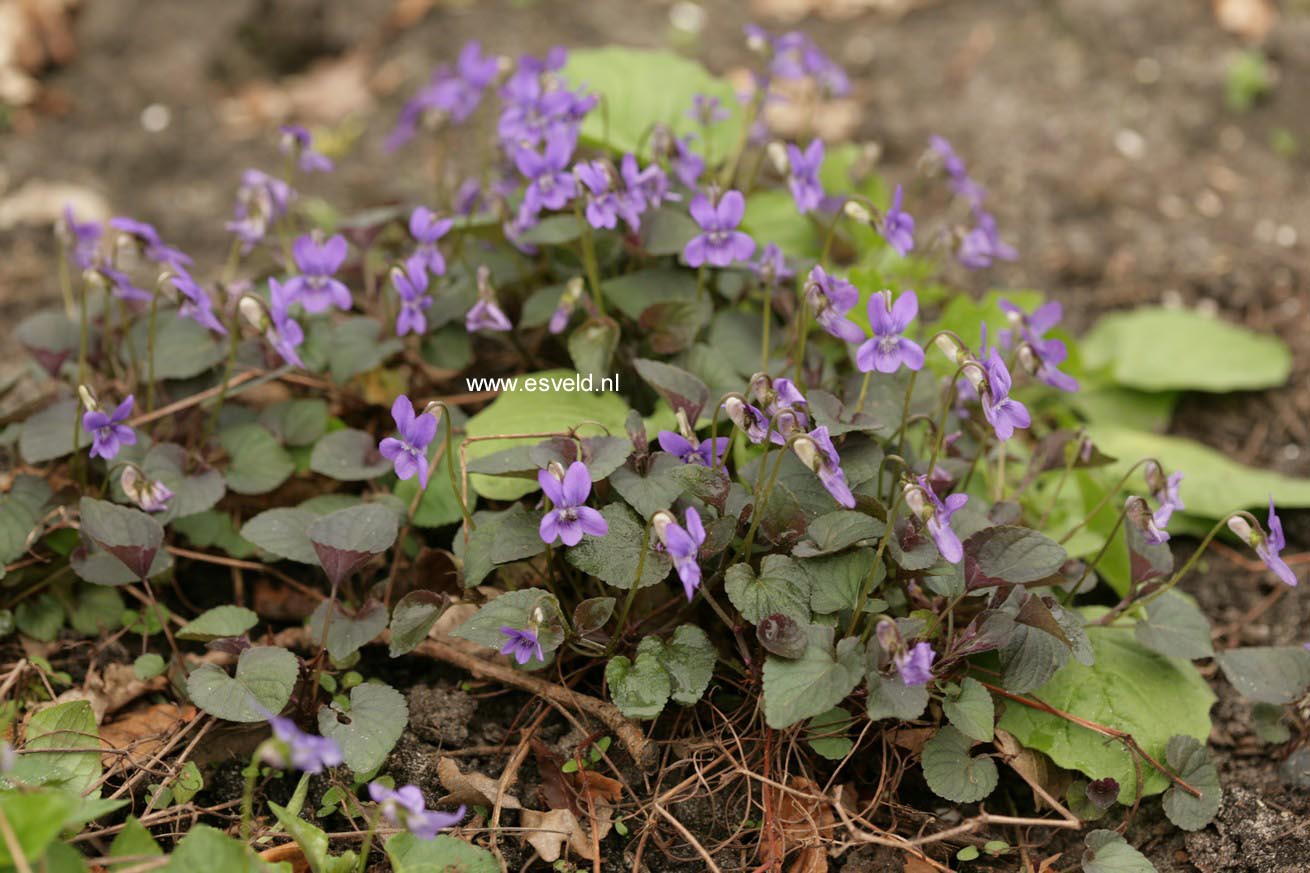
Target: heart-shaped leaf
x: 369, y: 729
x: 412, y: 618
x: 348, y: 631
x: 348, y: 456
x: 218, y: 623
x: 347, y: 539
x: 130, y: 535
x: 265, y: 677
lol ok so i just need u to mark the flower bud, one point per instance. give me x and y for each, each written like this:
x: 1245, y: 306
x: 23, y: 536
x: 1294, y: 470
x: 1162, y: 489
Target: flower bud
x: 253, y: 311
x: 857, y: 212
x: 976, y: 375
x: 916, y: 500
x: 1155, y: 479
x: 434, y: 409
x: 1242, y: 528
x: 889, y: 636
x: 485, y: 289
x: 684, y: 426
x: 1028, y: 358
x: 556, y: 469
x: 660, y: 522
x: 761, y: 386
x: 808, y: 452
x: 949, y: 348
x: 88, y: 396
x: 777, y: 153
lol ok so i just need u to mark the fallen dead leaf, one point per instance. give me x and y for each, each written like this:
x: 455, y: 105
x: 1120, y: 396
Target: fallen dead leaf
x: 1033, y: 766
x: 472, y: 789
x: 804, y: 824
x: 34, y: 34
x: 918, y: 865
x: 288, y: 852
x: 143, y: 730
x: 547, y: 832
x: 118, y: 686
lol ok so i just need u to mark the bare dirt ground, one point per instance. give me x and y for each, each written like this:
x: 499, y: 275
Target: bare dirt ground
x: 1099, y: 126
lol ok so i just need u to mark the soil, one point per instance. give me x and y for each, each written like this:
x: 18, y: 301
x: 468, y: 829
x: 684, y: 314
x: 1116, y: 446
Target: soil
x: 1099, y: 127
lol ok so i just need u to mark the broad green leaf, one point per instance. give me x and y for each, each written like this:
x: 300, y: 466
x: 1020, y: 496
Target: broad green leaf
x: 688, y: 657
x: 613, y: 558
x: 148, y: 666
x: 813, y: 684
x: 640, y: 88
x: 835, y: 580
x: 1175, y: 626
x: 516, y: 609
x: 284, y: 533
x: 296, y: 422
x: 35, y: 818
x: 1156, y: 349
x: 639, y: 688
x: 265, y: 677
x: 257, y: 464
x: 348, y: 632
x: 1129, y: 688
x: 632, y: 293
x: 97, y: 611
x: 412, y: 618
x: 828, y: 734
x: 1187, y: 758
x: 133, y: 841
x: 592, y: 344
x: 837, y: 531
x: 374, y: 722
x: 194, y: 490
x: 182, y: 348
x: 214, y: 529
x: 1213, y: 485
x: 356, y: 347
x: 206, y: 848
x: 49, y: 433
x: 409, y: 854
x: 219, y: 622
x: 42, y: 616
x: 62, y: 748
x: 545, y: 410
x: 771, y: 217
x: 889, y: 697
x: 99, y: 567
x: 313, y: 842
x: 1006, y: 553
x: 19, y: 511
x: 952, y: 773
x: 782, y: 586
x: 348, y: 539
x: 130, y: 535
x: 1267, y: 674
x: 439, y: 505
x: 684, y: 391
x: 1109, y: 852
x: 971, y: 710
x: 348, y: 456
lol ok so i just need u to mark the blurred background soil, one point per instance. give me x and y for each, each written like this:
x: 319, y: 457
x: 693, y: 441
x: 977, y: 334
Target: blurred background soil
x: 1136, y: 151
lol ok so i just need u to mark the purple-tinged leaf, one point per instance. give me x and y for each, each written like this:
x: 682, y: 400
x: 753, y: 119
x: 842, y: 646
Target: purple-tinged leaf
x: 347, y: 539
x: 130, y: 535
x: 684, y: 391
x: 591, y: 615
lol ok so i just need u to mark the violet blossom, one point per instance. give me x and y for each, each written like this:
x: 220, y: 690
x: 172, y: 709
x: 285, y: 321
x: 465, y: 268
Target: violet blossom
x: 261, y: 201
x: 687, y: 165
x: 404, y: 808
x: 830, y: 298
x: 297, y: 141
x: 411, y: 283
x: 568, y: 301
x: 915, y: 664
x: 570, y: 518
x: 983, y: 245
x: 935, y: 514
x: 149, y: 495
x: 647, y: 187
x: 771, y: 266
x: 707, y: 110
x: 292, y: 747
x: 898, y: 226
x: 750, y: 420
x: 719, y: 243
x: 1268, y: 546
x: 408, y: 453
x: 108, y: 432
x: 486, y: 313
x: 453, y: 94
x: 888, y: 349
x: 1039, y: 355
x: 1137, y: 513
x: 196, y: 304
x: 817, y: 452
x: 120, y: 283
x: 960, y: 182
x: 318, y: 260
x: 682, y: 544
x: 427, y: 229
x: 605, y: 204
x: 82, y: 238
x: 1003, y: 412
x: 1165, y: 492
x: 784, y: 406
x: 523, y: 645
x: 803, y: 175
x: 150, y: 243
x: 283, y: 332
x: 550, y: 185
x: 692, y: 451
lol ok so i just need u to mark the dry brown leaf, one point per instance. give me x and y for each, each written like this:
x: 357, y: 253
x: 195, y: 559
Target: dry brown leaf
x: 143, y: 730
x: 547, y: 832
x: 473, y: 789
x: 804, y: 823
x: 600, y: 786
x: 1033, y: 766
x: 1250, y: 19
x: 34, y: 34
x: 118, y: 686
x: 912, y: 739
x: 288, y: 852
x: 914, y: 864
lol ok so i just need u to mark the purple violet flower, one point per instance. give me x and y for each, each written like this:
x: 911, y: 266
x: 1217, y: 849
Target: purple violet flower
x: 550, y: 185
x: 261, y: 201
x: 81, y: 237
x: 647, y: 188
x: 683, y: 545
x: 196, y: 304
x: 297, y: 141
x: 771, y: 266
x: 409, y: 453
x: 604, y: 203
x: 318, y: 261
x: 154, y: 248
x: 803, y: 175
x: 898, y: 226
x: 411, y: 284
x: 960, y: 183
x: 404, y: 808
x: 108, y: 431
x: 1003, y: 412
x: 1268, y: 546
x: 150, y: 496
x: 750, y: 420
x: 888, y: 350
x: 719, y: 243
x: 486, y: 314
x: 706, y: 110
x: 427, y: 229
x: 121, y: 284
x: 570, y: 518
x: 524, y: 645
x: 983, y: 245
x: 450, y: 93
x: 915, y: 664
x: 692, y: 451
x: 936, y: 516
x: 1165, y: 491
x: 830, y: 298
x: 292, y: 747
x: 283, y: 332
x: 688, y: 166
x: 568, y: 301
x: 817, y: 452
x: 1039, y: 355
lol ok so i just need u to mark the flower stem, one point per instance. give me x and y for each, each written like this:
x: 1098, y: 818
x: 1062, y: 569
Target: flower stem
x: 866, y: 586
x: 802, y: 331
x: 233, y: 341
x: 767, y: 318
x: 83, y: 341
x: 150, y: 351
x: 763, y: 501
x: 1104, y: 500
x: 589, y: 263
x: 632, y: 593
x: 367, y: 847
x: 251, y: 772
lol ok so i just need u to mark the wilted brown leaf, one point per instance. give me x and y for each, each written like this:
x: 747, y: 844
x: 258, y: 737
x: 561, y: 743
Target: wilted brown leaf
x: 473, y: 789
x: 143, y: 730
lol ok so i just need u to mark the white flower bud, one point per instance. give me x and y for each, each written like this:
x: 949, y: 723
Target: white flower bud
x: 857, y: 211
x: 777, y: 153
x: 684, y: 426
x: 976, y: 375
x: 917, y: 501
x: 808, y: 452
x: 88, y: 396
x: 949, y: 348
x: 253, y: 312
x: 1242, y: 528
x: 1028, y: 358
x: 556, y: 469
x: 660, y: 522
x: 573, y: 290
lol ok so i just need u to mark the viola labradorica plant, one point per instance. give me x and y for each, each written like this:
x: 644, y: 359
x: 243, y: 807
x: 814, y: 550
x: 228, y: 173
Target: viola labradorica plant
x: 887, y: 526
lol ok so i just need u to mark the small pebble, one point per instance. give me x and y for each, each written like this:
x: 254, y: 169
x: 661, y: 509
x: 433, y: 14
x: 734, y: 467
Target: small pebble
x: 1130, y: 144
x: 156, y: 117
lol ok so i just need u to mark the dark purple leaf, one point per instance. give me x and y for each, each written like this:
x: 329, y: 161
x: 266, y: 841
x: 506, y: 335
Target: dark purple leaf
x: 684, y: 391
x: 130, y: 535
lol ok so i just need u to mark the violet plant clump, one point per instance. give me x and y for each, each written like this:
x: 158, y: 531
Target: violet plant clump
x: 719, y: 422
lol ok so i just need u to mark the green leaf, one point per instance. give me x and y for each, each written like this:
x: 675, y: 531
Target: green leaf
x: 771, y: 215
x: 377, y: 717
x: 1157, y: 349
x: 214, y: 529
x: 348, y: 456
x: 1270, y: 723
x: 632, y: 293
x: 35, y: 818
x: 1267, y: 674
x: 1175, y: 626
x: 837, y: 531
x: 182, y: 348
x: 539, y: 411
x: 1006, y: 553
x: 193, y: 492
x: 19, y: 511
x: 889, y: 697
x: 640, y: 88
x: 827, y: 734
x: 187, y: 784
x: 592, y: 344
x: 439, y: 505
x: 101, y: 568
x: 49, y: 434
x: 1129, y: 688
x: 950, y: 771
x: 813, y: 684
x: 971, y: 710
x: 782, y: 586
x: 257, y: 464
x: 412, y: 618
x: 313, y: 842
x: 553, y: 230
x: 355, y: 347
x: 409, y: 854
x: 265, y: 675
x: 40, y: 617
x: 348, y: 632
x: 206, y: 848
x: 130, y: 535
x: 688, y: 657
x: 69, y: 731
x: 684, y: 391
x: 296, y: 422
x: 1109, y: 852
x: 98, y: 610
x: 515, y: 609
x: 148, y: 666
x: 133, y: 841
x: 835, y: 581
x: 283, y: 532
x: 1187, y: 758
x: 1215, y: 484
x: 218, y: 623
x: 348, y: 539
x: 613, y: 558
x: 667, y: 230
x: 639, y: 688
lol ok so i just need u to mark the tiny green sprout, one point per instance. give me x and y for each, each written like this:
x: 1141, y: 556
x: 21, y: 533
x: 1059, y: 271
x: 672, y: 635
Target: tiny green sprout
x: 569, y: 766
x: 350, y: 680
x: 328, y: 683
x: 481, y: 810
x: 996, y: 847
x: 968, y: 853
x: 621, y: 827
